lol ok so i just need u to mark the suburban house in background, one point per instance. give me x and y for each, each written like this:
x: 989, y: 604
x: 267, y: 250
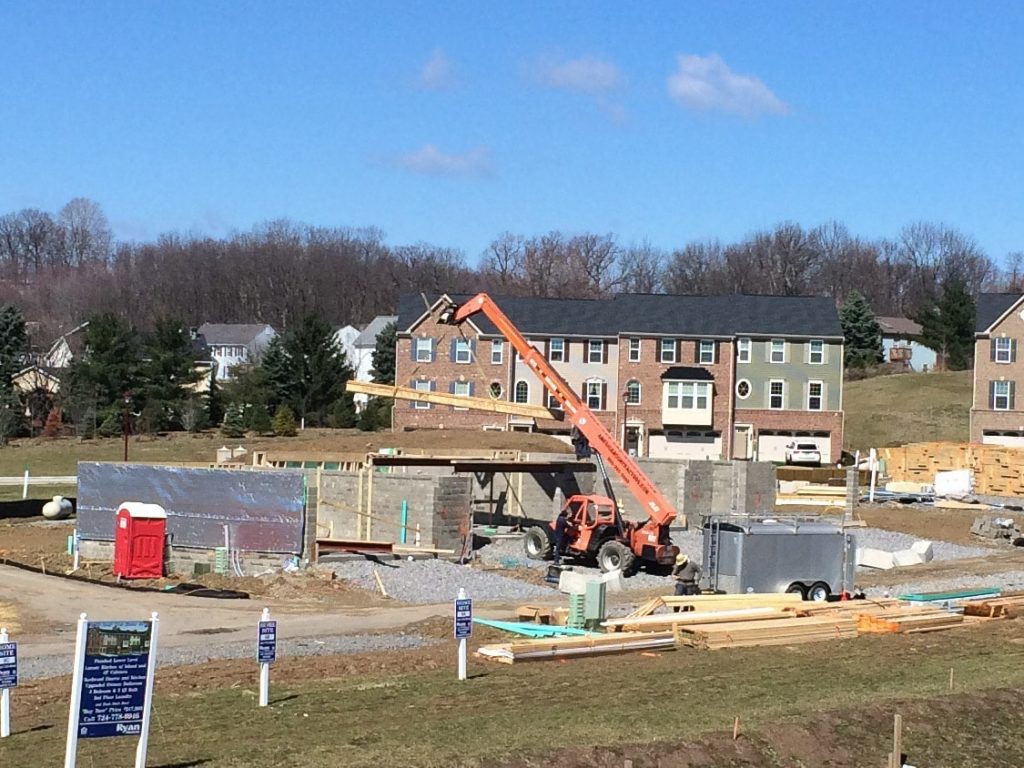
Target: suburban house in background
x: 345, y: 337
x: 697, y: 377
x: 999, y: 329
x: 902, y: 345
x: 234, y: 344
x: 361, y: 358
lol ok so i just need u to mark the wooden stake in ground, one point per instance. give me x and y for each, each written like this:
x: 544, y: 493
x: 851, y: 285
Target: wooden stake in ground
x: 951, y: 678
x: 736, y: 729
x: 380, y: 582
x: 896, y: 758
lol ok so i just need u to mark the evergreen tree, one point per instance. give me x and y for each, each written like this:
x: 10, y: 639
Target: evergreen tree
x: 948, y: 325
x: 284, y: 422
x: 13, y: 344
x: 234, y: 421
x: 861, y: 332
x: 214, y: 400
x: 109, y: 366
x: 376, y: 415
x: 343, y: 414
x: 278, y: 375
x: 319, y: 370
x: 169, y: 374
x: 384, y: 354
x: 259, y: 420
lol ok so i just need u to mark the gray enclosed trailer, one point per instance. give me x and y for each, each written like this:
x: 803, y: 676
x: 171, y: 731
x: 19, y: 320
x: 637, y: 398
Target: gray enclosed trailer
x: 744, y: 555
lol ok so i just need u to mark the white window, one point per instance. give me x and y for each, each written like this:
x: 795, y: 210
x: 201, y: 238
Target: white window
x: 776, y: 395
x: 633, y: 392
x: 595, y: 351
x: 742, y: 389
x: 743, y: 351
x: 706, y: 353
x: 777, y: 351
x: 1003, y: 351
x: 462, y: 389
x: 522, y: 393
x: 424, y: 350
x: 1002, y: 395
x: 556, y: 350
x: 463, y: 352
x: 668, y: 351
x: 497, y: 351
x: 595, y: 395
x: 553, y: 404
x: 816, y: 352
x: 421, y: 386
x: 815, y: 395
x: 688, y: 395
x: 634, y: 350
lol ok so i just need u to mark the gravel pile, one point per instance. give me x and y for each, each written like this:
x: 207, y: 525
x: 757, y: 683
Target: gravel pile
x: 53, y: 666
x: 1010, y: 580
x: 436, y: 581
x: 890, y: 541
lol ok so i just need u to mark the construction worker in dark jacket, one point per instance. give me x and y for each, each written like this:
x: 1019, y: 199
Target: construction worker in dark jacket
x: 561, y: 534
x: 686, y: 574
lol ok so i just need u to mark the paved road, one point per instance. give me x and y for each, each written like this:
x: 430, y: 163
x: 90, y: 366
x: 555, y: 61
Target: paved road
x: 189, y: 624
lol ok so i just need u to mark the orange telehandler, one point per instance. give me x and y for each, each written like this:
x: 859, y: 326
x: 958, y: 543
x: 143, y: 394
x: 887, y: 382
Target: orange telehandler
x: 595, y: 527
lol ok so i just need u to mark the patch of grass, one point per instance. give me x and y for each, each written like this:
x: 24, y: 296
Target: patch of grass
x: 905, y: 408
x: 430, y: 719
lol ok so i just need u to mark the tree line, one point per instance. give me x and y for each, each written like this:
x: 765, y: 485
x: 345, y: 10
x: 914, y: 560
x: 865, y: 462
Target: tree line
x: 60, y: 269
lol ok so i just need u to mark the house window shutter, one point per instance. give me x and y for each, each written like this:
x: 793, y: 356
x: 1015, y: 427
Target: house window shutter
x: 433, y: 350
x: 451, y: 388
x: 991, y: 395
x: 1013, y: 386
x: 451, y: 351
x: 412, y: 385
x: 472, y: 349
x: 1013, y: 352
x: 433, y: 386
x: 604, y: 397
x: 604, y: 352
x: 412, y: 349
x: 992, y: 350
x: 471, y: 389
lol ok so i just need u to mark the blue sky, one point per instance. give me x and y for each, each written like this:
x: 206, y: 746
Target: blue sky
x: 452, y: 122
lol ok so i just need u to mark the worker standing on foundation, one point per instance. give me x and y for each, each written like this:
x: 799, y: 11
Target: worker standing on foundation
x: 686, y: 574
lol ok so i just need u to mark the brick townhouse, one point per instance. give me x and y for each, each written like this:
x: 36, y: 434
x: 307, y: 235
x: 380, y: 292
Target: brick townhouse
x: 996, y: 416
x: 670, y: 376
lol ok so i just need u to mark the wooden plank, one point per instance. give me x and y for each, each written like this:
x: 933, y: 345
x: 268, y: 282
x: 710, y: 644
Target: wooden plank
x: 444, y: 398
x: 692, y: 618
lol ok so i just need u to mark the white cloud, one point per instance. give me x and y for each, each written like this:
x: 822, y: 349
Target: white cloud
x: 428, y: 160
x: 437, y: 72
x: 587, y: 74
x: 707, y: 83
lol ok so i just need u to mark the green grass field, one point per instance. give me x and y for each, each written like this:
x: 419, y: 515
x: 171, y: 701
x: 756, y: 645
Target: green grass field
x: 843, y: 693
x: 907, y: 408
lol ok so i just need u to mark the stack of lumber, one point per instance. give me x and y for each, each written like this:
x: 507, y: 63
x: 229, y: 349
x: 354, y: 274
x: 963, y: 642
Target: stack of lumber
x: 1009, y: 605
x: 657, y: 621
x: 997, y: 469
x: 784, y: 631
x: 908, y: 621
x: 562, y: 647
x: 718, y: 602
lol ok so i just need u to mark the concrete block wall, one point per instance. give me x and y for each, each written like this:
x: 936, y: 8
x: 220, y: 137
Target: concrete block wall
x: 452, y: 520
x: 339, y: 506
x: 182, y: 560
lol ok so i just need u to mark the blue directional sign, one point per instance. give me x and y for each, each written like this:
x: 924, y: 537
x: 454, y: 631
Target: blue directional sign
x: 8, y: 665
x: 463, y: 618
x: 114, y: 678
x: 266, y: 646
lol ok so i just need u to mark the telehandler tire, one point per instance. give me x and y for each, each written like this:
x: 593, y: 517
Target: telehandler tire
x: 537, y: 543
x: 616, y: 556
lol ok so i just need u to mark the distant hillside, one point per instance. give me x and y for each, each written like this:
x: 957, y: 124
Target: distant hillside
x: 907, y: 408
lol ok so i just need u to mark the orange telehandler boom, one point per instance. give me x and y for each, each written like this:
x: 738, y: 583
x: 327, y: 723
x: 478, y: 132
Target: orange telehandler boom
x: 595, y: 529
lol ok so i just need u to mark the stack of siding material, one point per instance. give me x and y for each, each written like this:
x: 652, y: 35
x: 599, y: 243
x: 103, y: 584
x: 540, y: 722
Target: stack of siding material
x: 998, y: 470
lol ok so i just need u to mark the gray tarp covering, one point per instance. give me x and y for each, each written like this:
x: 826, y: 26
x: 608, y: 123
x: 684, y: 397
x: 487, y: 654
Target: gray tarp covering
x: 263, y: 509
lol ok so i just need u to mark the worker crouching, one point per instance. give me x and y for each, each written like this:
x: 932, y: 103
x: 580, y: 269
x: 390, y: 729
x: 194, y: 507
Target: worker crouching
x: 686, y: 574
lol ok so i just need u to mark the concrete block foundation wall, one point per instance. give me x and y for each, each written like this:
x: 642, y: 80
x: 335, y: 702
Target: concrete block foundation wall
x: 181, y: 560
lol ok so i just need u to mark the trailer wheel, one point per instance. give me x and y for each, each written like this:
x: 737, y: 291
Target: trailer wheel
x: 798, y: 588
x: 616, y: 556
x: 818, y: 592
x: 537, y: 543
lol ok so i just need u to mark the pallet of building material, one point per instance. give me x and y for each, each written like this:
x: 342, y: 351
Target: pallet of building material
x: 908, y: 622
x: 570, y: 647
x: 1010, y: 605
x: 718, y: 602
x: 657, y: 621
x: 772, y: 632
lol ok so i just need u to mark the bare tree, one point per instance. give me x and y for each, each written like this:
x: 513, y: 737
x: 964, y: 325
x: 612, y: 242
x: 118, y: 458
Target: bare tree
x: 87, y: 235
x: 641, y: 268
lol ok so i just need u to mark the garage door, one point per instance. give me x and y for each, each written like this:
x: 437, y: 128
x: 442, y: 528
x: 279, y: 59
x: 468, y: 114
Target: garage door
x: 771, y: 445
x: 1010, y: 439
x: 687, y: 445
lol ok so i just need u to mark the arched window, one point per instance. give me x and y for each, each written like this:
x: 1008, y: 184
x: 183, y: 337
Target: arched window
x: 632, y: 392
x: 522, y: 392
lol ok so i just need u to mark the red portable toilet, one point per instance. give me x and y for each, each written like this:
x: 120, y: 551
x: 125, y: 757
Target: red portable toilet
x: 139, y: 540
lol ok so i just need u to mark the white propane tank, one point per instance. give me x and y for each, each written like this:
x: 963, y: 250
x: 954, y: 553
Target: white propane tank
x: 57, y: 509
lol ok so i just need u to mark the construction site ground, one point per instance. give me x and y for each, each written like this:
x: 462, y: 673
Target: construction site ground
x: 365, y: 680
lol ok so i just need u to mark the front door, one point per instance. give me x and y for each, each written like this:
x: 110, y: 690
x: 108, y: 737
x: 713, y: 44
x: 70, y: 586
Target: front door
x: 632, y: 439
x: 741, y: 442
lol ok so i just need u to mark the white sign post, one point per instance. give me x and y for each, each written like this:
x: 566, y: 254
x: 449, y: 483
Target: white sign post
x: 77, y: 671
x: 8, y: 679
x: 873, y: 463
x: 266, y: 652
x: 140, y: 750
x: 463, y: 627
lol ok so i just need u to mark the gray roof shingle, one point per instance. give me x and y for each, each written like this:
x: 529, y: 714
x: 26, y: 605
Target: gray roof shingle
x: 991, y: 307
x: 368, y: 336
x: 655, y: 314
x: 231, y: 333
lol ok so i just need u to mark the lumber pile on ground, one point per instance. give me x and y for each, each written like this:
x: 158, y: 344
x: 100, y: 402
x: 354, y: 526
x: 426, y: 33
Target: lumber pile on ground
x: 593, y: 645
x: 998, y: 470
x: 1009, y: 605
x: 908, y: 621
x: 717, y: 602
x: 783, y: 631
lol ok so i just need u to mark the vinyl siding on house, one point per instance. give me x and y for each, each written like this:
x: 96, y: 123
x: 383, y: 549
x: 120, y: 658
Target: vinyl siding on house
x: 796, y: 372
